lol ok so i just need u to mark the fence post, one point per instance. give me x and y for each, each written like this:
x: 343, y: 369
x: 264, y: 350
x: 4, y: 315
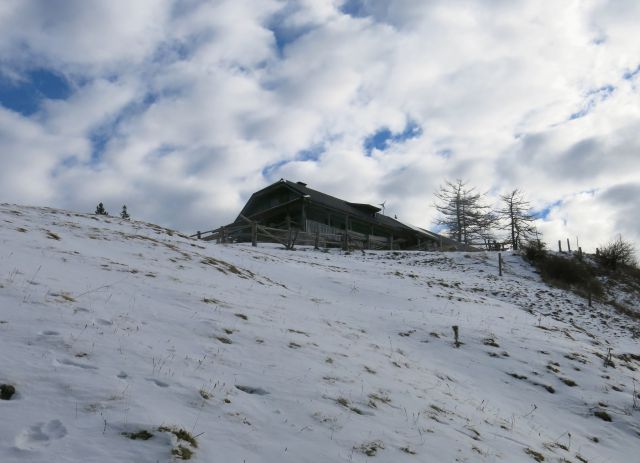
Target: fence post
x: 579, y: 252
x: 500, y: 264
x: 559, y: 245
x: 316, y: 244
x: 456, y: 335
x: 288, y: 232
x: 198, y: 234
x: 254, y: 234
x: 568, y: 246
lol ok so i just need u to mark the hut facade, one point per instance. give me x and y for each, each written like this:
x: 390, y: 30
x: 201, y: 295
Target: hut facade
x: 287, y: 205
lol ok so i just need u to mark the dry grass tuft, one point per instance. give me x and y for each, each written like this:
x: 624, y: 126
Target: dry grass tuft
x: 370, y: 448
x: 181, y: 434
x: 143, y: 434
x: 537, y: 456
x: 52, y: 236
x: 604, y: 416
x: 182, y: 453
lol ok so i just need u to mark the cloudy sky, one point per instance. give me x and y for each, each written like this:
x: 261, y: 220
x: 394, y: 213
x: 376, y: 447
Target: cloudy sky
x: 182, y: 108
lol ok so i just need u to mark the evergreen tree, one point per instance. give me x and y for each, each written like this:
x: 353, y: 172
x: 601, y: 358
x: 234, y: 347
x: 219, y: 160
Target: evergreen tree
x: 516, y: 217
x: 100, y: 210
x: 124, y: 214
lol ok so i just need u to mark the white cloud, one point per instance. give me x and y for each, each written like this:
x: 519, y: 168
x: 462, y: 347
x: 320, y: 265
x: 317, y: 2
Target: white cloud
x: 82, y: 35
x: 192, y: 100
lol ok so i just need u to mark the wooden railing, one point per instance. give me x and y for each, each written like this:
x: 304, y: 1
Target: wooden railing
x: 289, y: 235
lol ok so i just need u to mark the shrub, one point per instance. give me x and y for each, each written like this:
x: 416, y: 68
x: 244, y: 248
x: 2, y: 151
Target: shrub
x: 617, y: 253
x: 7, y: 391
x: 569, y: 273
x: 534, y: 250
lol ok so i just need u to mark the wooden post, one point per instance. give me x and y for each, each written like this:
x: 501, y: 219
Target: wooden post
x: 254, y: 234
x: 303, y: 218
x: 456, y: 335
x: 198, y: 234
x: 316, y: 244
x: 579, y: 253
x: 500, y: 264
x: 559, y: 245
x: 568, y: 246
x: 288, y: 232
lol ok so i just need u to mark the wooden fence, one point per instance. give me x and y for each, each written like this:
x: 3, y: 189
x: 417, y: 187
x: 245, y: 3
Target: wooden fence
x: 290, y: 235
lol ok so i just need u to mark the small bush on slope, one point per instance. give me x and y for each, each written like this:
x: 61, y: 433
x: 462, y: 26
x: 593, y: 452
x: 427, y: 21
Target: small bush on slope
x: 569, y: 273
x: 617, y: 254
x: 534, y: 251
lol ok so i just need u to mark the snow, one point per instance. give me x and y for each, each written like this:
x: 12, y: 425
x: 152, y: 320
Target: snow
x: 267, y: 355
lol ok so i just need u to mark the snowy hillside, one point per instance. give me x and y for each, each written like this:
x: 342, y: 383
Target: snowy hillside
x: 127, y: 342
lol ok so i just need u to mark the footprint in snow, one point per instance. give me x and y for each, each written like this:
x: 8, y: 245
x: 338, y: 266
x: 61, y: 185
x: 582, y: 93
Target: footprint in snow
x: 158, y: 383
x: 252, y: 390
x: 71, y: 363
x: 40, y: 435
x: 122, y: 375
x: 48, y: 333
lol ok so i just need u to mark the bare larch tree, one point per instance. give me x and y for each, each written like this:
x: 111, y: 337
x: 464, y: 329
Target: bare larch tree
x: 516, y: 217
x: 463, y: 213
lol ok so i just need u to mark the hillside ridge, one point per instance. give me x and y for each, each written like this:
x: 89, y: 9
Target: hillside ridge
x: 126, y: 341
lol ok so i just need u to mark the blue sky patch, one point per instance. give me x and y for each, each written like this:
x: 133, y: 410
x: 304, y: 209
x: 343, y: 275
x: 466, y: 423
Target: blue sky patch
x: 285, y: 36
x: 283, y: 33
x: 594, y: 97
x: 99, y: 139
x: 271, y: 168
x: 101, y: 135
x: 26, y: 95
x: 354, y: 8
x: 545, y: 211
x: 310, y: 154
x: 629, y: 75
x: 383, y: 137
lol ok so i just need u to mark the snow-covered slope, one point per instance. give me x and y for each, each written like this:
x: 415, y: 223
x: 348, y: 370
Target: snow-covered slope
x: 109, y: 328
